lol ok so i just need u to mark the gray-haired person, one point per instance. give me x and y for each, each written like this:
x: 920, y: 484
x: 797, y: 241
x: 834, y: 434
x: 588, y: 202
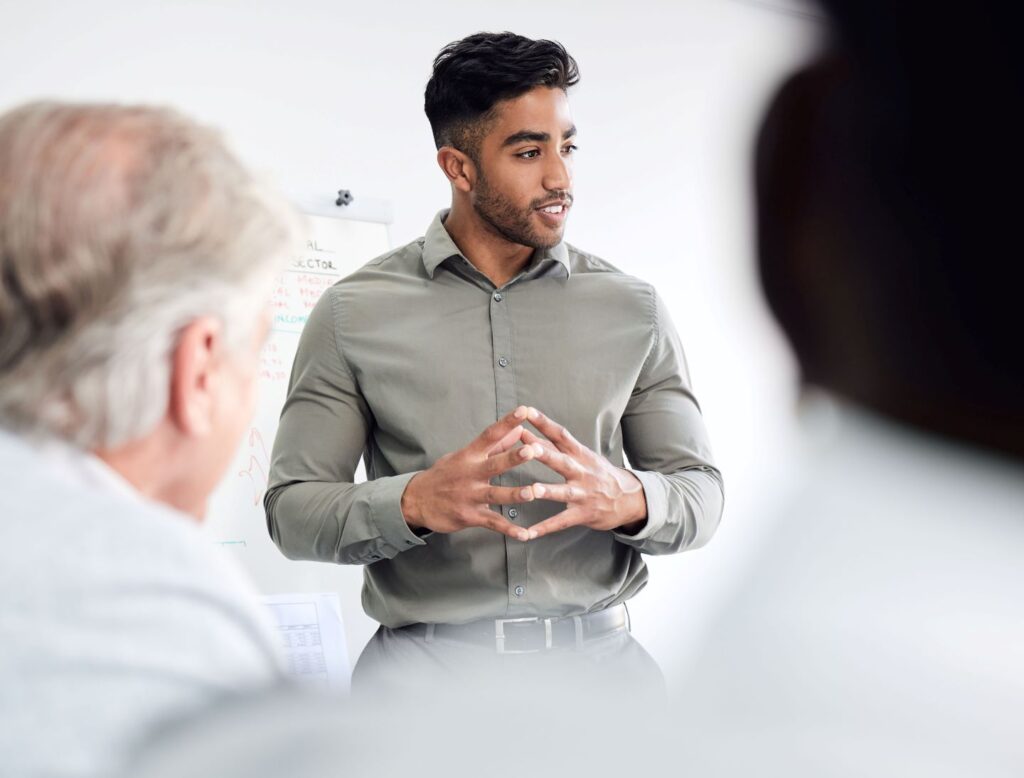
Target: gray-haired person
x: 136, y: 258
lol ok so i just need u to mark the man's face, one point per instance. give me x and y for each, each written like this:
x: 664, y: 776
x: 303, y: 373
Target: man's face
x: 523, y: 189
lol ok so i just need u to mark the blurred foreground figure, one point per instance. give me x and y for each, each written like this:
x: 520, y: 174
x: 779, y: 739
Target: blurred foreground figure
x: 881, y: 629
x: 136, y: 258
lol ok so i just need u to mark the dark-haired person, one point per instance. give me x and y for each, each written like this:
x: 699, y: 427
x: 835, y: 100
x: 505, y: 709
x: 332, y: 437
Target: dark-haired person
x: 880, y: 630
x: 483, y: 537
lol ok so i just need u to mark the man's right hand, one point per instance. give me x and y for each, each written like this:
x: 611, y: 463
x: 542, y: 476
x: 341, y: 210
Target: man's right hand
x: 455, y: 492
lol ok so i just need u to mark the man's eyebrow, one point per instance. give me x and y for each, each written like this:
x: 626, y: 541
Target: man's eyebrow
x: 525, y: 136
x: 528, y: 136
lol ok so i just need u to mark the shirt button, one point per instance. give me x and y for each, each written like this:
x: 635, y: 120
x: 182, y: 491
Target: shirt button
x: 519, y: 591
x: 498, y: 297
x: 503, y: 362
x: 512, y: 513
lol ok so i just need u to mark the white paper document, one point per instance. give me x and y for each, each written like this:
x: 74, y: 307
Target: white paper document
x: 312, y: 636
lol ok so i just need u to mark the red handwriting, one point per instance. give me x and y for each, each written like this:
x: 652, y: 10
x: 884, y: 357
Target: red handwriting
x: 258, y: 465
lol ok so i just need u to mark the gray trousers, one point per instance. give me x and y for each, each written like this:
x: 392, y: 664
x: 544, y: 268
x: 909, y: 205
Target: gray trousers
x: 399, y: 664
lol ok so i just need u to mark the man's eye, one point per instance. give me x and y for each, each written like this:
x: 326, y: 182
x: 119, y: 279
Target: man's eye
x: 528, y: 154
x: 571, y: 149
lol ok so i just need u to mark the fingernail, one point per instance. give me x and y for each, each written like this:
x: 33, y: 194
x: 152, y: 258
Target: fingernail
x: 532, y: 534
x: 526, y: 452
x: 531, y: 413
x: 521, y: 412
x: 524, y: 536
x: 538, y: 449
x: 527, y: 493
x: 538, y: 490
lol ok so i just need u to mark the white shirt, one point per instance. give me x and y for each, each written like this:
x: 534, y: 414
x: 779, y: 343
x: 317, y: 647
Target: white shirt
x: 117, y: 614
x: 880, y: 630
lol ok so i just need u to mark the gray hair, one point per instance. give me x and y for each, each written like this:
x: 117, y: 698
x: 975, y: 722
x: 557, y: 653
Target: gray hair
x: 120, y: 225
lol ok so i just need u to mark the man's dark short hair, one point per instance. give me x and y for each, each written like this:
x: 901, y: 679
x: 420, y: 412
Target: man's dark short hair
x: 472, y: 75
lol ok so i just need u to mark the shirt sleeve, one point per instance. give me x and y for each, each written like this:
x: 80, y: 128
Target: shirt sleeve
x: 667, y: 446
x: 314, y: 509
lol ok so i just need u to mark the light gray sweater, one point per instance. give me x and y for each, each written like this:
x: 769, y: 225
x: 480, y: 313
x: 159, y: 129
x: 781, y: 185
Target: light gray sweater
x: 117, y: 614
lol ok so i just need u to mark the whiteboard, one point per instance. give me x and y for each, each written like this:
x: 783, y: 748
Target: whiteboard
x: 334, y: 245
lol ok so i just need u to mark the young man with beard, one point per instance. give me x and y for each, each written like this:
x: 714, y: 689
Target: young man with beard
x: 481, y: 536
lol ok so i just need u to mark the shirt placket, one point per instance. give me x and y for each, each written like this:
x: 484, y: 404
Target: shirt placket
x: 506, y: 396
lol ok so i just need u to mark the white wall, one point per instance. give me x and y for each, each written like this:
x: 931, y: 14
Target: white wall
x: 323, y: 95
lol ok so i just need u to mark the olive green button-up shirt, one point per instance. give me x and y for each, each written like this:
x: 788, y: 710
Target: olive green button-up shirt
x: 412, y: 356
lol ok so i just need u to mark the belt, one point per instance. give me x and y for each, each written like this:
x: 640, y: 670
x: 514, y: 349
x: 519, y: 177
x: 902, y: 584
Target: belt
x: 529, y: 635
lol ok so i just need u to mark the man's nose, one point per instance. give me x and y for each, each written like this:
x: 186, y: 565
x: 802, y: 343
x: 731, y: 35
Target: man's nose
x: 557, y: 173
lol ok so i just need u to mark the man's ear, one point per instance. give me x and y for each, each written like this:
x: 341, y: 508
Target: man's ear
x: 458, y: 167
x: 195, y: 373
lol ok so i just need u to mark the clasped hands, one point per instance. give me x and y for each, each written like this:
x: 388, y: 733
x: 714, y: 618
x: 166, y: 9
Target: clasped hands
x: 456, y: 491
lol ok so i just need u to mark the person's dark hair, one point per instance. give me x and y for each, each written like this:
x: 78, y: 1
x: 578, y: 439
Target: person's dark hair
x: 472, y: 75
x: 885, y: 232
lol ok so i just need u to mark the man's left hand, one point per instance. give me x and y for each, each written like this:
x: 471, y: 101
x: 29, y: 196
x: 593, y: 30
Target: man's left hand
x: 597, y: 494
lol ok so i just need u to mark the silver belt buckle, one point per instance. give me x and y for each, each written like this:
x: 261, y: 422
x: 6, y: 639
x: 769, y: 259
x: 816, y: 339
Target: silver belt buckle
x: 499, y: 634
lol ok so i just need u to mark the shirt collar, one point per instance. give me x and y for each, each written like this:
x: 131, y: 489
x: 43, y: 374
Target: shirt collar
x: 439, y: 246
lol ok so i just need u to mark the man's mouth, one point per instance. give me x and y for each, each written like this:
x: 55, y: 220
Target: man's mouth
x: 555, y: 211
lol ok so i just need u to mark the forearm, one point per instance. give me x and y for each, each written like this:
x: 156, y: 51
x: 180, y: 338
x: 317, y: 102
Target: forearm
x: 683, y: 511
x: 344, y: 523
